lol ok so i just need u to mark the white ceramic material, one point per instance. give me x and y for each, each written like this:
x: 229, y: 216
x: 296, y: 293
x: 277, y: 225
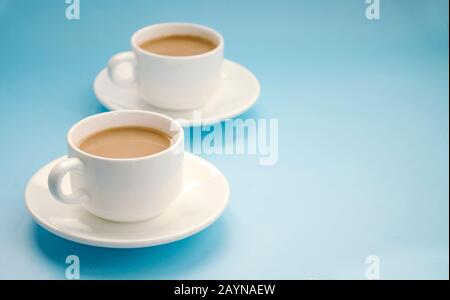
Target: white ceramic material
x: 237, y: 92
x: 121, y: 190
x: 203, y: 198
x: 171, y: 82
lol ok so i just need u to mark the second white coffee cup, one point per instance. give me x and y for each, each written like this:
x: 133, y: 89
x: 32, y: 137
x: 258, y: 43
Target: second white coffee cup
x: 171, y: 82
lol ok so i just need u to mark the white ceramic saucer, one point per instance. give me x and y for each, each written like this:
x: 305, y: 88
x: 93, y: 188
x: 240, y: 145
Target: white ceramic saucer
x: 238, y: 92
x: 202, y: 201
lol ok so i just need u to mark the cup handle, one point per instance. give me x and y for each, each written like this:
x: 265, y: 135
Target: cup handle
x: 116, y: 61
x: 56, y: 176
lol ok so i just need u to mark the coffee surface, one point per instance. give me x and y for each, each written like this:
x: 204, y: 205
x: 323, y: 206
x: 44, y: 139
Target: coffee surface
x: 179, y: 45
x: 126, y: 142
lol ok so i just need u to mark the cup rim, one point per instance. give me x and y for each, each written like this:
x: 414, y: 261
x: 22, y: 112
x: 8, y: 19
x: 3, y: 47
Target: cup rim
x: 179, y: 133
x: 137, y: 48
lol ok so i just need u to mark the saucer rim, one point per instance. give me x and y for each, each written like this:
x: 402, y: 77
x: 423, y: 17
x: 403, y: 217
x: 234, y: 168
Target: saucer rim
x: 134, y: 243
x: 188, y: 122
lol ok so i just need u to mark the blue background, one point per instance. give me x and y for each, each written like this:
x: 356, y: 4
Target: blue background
x: 363, y: 116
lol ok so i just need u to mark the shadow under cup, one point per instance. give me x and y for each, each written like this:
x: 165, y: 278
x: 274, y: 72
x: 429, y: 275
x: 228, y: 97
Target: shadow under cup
x: 129, y: 189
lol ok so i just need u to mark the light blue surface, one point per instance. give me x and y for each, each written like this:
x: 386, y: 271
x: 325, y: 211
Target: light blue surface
x: 363, y: 116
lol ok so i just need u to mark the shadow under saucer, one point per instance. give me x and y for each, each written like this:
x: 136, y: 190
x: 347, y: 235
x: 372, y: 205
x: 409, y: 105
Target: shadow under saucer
x: 169, y: 261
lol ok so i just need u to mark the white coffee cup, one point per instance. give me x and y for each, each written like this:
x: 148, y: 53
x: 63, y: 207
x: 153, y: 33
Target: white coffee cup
x: 171, y: 82
x: 121, y: 190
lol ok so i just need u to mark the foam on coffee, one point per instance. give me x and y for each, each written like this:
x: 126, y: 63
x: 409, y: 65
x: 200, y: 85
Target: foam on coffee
x: 179, y: 45
x: 126, y: 142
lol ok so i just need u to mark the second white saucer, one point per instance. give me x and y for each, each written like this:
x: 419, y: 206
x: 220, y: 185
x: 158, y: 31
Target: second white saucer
x: 202, y: 200
x: 238, y: 92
